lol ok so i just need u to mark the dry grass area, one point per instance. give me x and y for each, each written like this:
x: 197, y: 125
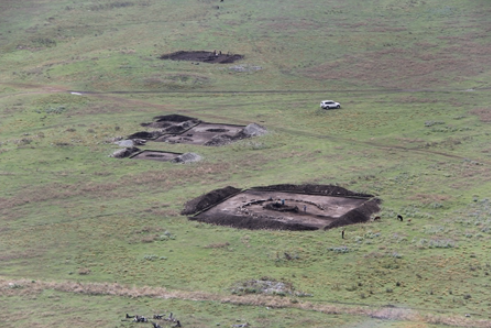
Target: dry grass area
x: 421, y: 65
x: 25, y: 287
x: 82, y: 224
x: 484, y: 114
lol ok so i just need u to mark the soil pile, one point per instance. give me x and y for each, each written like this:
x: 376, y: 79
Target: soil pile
x: 144, y: 135
x: 187, y: 158
x: 220, y: 140
x: 251, y: 130
x: 179, y: 127
x: 173, y: 118
x: 253, y: 223
x: 203, y: 56
x: 211, y: 198
x: 172, y: 123
x: 321, y: 190
x: 130, y: 143
x: 357, y: 215
x: 125, y: 152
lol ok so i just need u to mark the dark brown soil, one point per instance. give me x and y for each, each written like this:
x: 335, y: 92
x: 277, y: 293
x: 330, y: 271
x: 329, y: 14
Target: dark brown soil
x: 154, y: 155
x: 144, y: 135
x: 321, y: 190
x: 212, y: 198
x: 203, y: 56
x: 173, y: 118
x: 283, y: 207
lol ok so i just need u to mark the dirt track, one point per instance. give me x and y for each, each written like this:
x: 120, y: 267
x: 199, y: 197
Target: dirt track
x: 114, y: 289
x: 110, y: 95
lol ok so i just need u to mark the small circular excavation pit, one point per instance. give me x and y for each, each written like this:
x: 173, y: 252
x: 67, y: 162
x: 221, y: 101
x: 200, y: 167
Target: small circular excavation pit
x: 154, y: 155
x: 163, y: 156
x: 210, y: 57
x: 283, y: 207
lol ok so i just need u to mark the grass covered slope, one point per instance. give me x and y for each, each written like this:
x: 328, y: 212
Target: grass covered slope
x: 413, y: 79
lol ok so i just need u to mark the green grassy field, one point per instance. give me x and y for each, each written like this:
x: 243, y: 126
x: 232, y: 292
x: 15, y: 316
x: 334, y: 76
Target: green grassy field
x: 414, y: 81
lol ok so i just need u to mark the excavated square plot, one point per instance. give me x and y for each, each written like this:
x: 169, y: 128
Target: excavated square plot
x: 266, y: 205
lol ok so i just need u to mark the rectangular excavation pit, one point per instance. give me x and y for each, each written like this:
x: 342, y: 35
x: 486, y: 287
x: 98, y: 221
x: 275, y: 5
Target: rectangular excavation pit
x: 202, y: 133
x: 259, y: 208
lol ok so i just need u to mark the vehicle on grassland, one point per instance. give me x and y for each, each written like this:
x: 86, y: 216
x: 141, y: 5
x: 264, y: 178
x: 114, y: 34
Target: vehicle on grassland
x: 330, y: 104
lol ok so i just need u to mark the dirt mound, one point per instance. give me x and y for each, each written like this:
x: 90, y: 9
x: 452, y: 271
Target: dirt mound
x: 179, y: 127
x: 220, y: 140
x: 173, y: 118
x: 209, y: 199
x: 172, y: 123
x: 357, y: 215
x: 125, y: 152
x: 254, y: 130
x: 253, y: 223
x: 187, y: 158
x: 145, y: 135
x: 249, y: 131
x: 130, y: 143
x: 321, y: 190
x: 203, y: 56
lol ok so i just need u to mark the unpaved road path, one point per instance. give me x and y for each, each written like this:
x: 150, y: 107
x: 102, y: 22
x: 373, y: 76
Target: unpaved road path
x: 26, y: 287
x: 116, y: 97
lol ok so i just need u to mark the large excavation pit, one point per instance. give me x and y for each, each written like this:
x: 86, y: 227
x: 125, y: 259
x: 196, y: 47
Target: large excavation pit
x: 203, y: 133
x: 182, y: 129
x: 283, y: 207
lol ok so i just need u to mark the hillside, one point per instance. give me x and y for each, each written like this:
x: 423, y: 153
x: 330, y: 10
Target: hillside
x: 86, y: 238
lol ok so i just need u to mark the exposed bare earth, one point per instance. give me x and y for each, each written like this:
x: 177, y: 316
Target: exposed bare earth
x: 202, y: 133
x: 285, y: 207
x: 210, y: 57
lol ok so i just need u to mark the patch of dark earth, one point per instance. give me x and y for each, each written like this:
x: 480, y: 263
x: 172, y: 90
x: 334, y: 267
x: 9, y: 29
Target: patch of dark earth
x: 213, y: 57
x: 283, y: 207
